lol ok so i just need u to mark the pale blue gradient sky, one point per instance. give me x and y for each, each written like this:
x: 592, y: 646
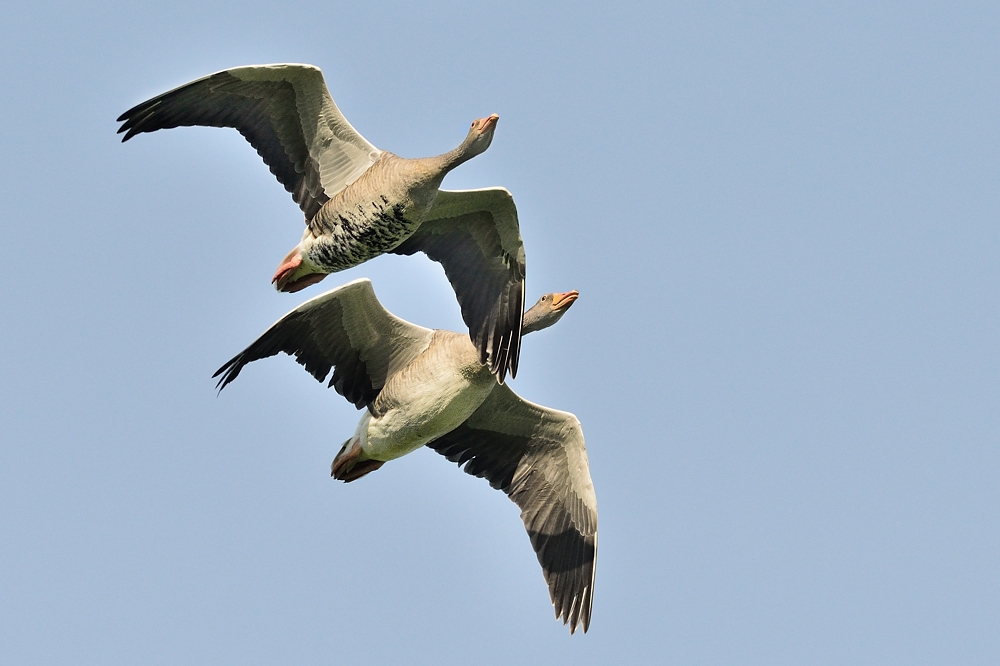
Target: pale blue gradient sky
x: 783, y: 222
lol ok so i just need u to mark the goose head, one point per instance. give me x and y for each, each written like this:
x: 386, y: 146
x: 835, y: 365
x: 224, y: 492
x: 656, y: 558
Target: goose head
x: 548, y: 310
x: 479, y: 138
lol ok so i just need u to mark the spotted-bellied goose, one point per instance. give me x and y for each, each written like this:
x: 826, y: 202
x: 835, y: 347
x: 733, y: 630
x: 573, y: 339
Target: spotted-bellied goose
x: 427, y: 387
x: 359, y: 201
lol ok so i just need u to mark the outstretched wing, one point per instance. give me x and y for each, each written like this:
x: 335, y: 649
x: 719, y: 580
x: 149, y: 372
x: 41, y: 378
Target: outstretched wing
x: 345, y: 329
x: 284, y: 111
x: 474, y: 235
x: 537, y: 456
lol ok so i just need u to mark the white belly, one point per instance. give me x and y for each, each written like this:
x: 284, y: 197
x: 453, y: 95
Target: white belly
x: 430, y: 401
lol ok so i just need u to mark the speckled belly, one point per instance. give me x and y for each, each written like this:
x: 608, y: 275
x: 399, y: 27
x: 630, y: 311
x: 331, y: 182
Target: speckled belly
x: 350, y: 235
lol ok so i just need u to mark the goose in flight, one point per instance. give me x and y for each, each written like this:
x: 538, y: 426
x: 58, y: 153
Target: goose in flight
x: 359, y: 201
x: 427, y: 387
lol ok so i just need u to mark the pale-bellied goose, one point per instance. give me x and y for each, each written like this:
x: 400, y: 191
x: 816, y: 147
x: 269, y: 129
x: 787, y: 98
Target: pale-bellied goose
x: 424, y: 386
x: 359, y: 201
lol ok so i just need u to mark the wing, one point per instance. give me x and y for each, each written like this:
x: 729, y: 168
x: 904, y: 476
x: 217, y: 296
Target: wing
x: 346, y: 329
x: 537, y: 456
x: 474, y: 235
x: 284, y: 111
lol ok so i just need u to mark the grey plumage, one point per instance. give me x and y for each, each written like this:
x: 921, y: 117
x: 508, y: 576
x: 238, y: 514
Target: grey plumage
x: 359, y: 201
x: 534, y: 454
x: 346, y: 330
x: 523, y: 450
x: 268, y: 112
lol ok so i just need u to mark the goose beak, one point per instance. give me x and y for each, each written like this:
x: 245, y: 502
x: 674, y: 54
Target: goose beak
x: 563, y: 301
x: 486, y: 123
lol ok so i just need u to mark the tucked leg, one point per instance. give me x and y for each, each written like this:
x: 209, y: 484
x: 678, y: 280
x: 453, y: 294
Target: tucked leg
x: 349, y: 464
x: 293, y: 274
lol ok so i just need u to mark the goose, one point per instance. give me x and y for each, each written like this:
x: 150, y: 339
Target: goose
x: 360, y: 202
x: 424, y: 387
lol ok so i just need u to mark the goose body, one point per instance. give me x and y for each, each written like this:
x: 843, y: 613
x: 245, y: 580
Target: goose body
x: 424, y: 387
x: 433, y: 395
x: 360, y: 202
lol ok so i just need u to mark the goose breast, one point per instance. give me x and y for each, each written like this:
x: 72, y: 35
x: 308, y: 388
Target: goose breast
x: 371, y: 216
x: 433, y: 395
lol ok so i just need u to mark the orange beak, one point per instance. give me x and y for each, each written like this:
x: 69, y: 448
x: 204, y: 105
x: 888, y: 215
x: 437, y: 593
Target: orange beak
x: 485, y: 123
x: 564, y: 300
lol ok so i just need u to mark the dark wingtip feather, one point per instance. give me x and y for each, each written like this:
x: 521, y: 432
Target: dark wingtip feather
x: 130, y: 130
x: 231, y: 370
x: 134, y: 111
x: 507, y: 324
x: 514, y: 322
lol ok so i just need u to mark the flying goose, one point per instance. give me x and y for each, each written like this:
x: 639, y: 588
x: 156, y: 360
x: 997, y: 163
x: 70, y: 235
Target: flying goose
x: 427, y: 387
x: 359, y: 201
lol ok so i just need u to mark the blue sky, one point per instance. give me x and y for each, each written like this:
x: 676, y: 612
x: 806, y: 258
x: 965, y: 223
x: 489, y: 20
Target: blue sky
x: 782, y: 219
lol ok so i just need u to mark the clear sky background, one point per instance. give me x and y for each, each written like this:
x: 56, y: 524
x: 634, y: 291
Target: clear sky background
x: 783, y: 222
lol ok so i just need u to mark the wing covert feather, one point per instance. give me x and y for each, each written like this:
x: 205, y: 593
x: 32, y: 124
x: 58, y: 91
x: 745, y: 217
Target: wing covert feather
x: 285, y: 112
x: 347, y: 330
x: 474, y: 235
x: 537, y: 456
